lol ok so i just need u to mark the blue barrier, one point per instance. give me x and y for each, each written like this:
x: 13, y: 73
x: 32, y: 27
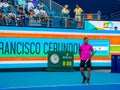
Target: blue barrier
x: 115, y: 64
x: 118, y: 64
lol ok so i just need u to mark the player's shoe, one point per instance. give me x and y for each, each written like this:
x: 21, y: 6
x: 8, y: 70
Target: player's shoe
x: 88, y: 81
x: 84, y: 80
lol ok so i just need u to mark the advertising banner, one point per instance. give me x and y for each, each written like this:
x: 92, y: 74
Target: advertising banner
x: 102, y: 25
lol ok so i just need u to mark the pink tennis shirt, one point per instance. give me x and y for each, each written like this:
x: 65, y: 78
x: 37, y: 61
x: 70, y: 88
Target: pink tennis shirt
x: 85, y: 50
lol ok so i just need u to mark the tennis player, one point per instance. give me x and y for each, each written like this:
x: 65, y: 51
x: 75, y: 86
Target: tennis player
x: 86, y: 52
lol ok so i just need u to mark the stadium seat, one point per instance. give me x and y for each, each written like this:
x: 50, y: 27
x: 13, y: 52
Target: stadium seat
x: 53, y: 13
x: 6, y: 10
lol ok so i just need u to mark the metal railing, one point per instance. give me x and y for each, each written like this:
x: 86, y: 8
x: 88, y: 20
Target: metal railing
x: 94, y: 16
x: 52, y: 5
x: 105, y: 17
x: 61, y: 22
x: 115, y: 14
x: 56, y: 21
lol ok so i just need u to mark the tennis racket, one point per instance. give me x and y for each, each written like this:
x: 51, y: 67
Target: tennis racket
x: 91, y: 56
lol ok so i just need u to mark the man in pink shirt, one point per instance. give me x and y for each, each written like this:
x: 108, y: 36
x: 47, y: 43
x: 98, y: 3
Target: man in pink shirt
x: 86, y: 51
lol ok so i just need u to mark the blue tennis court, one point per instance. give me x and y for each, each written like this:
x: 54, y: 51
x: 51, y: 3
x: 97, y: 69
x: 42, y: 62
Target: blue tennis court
x: 58, y: 80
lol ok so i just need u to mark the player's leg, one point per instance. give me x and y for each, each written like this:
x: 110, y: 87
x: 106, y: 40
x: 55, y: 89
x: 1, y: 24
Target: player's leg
x: 89, y: 73
x: 76, y: 18
x: 82, y: 65
x: 88, y: 70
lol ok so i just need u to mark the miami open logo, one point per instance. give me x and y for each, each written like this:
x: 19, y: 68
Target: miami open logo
x: 108, y: 25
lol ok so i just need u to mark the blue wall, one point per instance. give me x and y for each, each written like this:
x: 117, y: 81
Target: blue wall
x: 92, y: 6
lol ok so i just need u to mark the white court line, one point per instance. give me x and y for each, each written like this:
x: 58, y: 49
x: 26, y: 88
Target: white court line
x: 45, y: 61
x: 51, y: 86
x: 96, y: 61
x: 22, y: 62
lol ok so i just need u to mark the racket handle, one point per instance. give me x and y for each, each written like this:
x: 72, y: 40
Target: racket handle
x: 86, y: 61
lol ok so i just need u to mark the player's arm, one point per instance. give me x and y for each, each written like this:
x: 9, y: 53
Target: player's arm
x: 62, y: 10
x: 80, y: 51
x: 92, y: 52
x: 68, y: 11
x: 81, y: 10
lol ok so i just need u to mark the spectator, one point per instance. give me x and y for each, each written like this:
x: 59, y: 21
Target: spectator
x: 1, y: 4
x: 5, y: 4
x: 31, y: 13
x: 22, y: 3
x: 26, y: 19
x: 20, y: 17
x: 30, y: 6
x: 35, y: 3
x: 43, y: 14
x: 41, y: 4
x: 15, y: 2
x: 65, y: 10
x: 12, y: 16
x: 3, y: 17
x: 78, y: 11
x: 36, y: 15
x: 36, y: 12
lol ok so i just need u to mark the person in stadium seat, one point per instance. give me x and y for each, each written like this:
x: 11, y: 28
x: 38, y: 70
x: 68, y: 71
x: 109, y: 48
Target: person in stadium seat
x: 36, y: 15
x: 13, y: 16
x: 29, y: 6
x: 20, y: 17
x: 3, y: 17
x: 41, y: 4
x: 43, y: 14
x: 6, y: 4
x: 78, y: 11
x: 0, y: 17
x: 15, y: 2
x: 26, y: 19
x: 1, y: 4
x: 22, y: 3
x: 36, y: 11
x: 31, y: 13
